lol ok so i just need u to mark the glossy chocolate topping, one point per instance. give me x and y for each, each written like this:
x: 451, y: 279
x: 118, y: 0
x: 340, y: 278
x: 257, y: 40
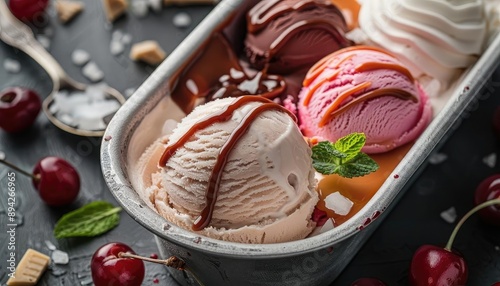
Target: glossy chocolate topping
x: 286, y: 35
x: 224, y: 115
x: 216, y: 73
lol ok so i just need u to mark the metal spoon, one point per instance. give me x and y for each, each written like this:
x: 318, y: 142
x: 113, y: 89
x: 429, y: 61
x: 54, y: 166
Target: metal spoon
x: 15, y: 33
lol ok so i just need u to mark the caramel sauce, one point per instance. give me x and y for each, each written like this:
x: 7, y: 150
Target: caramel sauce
x: 350, y: 9
x: 342, y: 102
x: 395, y: 92
x: 217, y: 73
x: 368, y: 66
x: 340, y: 99
x: 360, y: 190
x: 320, y: 66
x: 215, y: 177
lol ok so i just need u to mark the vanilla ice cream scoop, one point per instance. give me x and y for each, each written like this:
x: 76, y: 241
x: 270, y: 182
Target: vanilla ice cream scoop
x: 237, y: 170
x: 431, y: 37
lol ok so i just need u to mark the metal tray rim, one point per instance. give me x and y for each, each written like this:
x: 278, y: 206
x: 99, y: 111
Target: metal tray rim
x: 122, y: 126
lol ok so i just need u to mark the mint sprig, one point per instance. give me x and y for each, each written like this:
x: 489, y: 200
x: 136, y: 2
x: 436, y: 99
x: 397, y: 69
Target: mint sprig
x: 343, y: 157
x: 90, y: 220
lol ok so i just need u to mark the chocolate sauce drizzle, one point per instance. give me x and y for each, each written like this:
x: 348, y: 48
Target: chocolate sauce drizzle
x: 215, y: 177
x: 338, y: 105
x: 264, y: 12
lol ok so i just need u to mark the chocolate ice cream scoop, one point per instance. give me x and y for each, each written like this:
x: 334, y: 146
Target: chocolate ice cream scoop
x: 287, y: 35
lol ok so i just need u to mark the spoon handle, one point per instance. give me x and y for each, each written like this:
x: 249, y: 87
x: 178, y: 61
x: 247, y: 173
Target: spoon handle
x: 15, y: 33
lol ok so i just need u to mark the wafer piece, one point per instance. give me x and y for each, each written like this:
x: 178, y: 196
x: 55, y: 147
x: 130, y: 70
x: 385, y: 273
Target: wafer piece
x: 115, y: 8
x: 30, y: 269
x: 147, y: 51
x: 67, y: 10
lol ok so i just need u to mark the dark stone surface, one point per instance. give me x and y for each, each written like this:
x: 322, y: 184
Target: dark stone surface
x: 415, y: 220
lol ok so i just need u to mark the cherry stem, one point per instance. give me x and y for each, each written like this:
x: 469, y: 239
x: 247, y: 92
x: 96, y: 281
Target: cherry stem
x: 16, y: 168
x: 172, y: 261
x: 466, y: 216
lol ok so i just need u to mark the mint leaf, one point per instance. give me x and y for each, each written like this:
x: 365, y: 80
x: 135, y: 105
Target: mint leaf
x: 326, y: 159
x: 90, y: 220
x: 351, y: 144
x: 359, y: 166
x: 344, y: 157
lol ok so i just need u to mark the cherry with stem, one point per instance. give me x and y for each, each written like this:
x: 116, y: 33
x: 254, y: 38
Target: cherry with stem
x: 56, y: 180
x: 115, y: 263
x: 172, y: 262
x: 432, y: 265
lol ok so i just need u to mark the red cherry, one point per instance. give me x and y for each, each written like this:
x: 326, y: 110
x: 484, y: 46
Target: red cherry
x: 432, y: 265
x: 19, y: 108
x: 57, y: 182
x: 368, y: 282
x: 496, y: 284
x: 28, y: 10
x: 110, y: 270
x: 487, y: 190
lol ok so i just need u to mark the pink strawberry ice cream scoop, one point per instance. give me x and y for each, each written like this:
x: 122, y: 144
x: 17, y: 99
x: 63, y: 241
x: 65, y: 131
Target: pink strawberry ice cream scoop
x: 363, y: 89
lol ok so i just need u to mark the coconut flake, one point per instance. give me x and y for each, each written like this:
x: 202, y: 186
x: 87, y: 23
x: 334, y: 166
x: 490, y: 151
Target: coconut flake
x: 324, y: 228
x: 437, y: 158
x: 129, y: 91
x: 44, y: 41
x: 338, y: 203
x: 50, y: 245
x: 182, y: 20
x: 92, y: 72
x: 60, y: 257
x: 449, y: 215
x: 11, y: 65
x: 139, y: 8
x: 80, y: 57
x: 490, y: 160
x: 156, y: 5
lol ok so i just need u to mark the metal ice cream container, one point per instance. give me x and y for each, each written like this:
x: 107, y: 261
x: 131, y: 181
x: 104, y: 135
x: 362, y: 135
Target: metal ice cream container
x: 312, y: 261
